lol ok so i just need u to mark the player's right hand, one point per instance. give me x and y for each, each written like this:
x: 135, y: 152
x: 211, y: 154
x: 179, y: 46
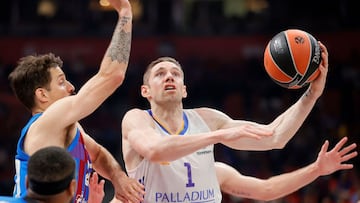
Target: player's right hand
x: 249, y: 131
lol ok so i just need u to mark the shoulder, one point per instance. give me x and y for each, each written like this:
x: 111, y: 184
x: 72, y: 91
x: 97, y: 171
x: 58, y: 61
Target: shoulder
x: 206, y: 110
x: 136, y: 112
x: 214, y: 118
x: 136, y: 116
x: 209, y: 113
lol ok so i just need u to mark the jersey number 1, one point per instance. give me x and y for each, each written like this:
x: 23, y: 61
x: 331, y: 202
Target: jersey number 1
x: 189, y: 183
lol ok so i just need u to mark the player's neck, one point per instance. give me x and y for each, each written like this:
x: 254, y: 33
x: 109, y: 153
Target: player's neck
x: 171, y: 120
x: 37, y: 110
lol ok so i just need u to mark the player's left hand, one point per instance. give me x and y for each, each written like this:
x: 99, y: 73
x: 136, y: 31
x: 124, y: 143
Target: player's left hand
x: 331, y: 161
x: 129, y: 190
x: 96, y: 194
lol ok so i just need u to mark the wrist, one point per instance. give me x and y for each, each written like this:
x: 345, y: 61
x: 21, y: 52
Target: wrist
x: 315, y: 169
x: 310, y: 95
x: 217, y: 136
x: 127, y: 12
x: 118, y: 174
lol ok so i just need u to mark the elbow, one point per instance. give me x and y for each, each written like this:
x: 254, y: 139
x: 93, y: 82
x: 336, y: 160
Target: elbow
x: 118, y: 77
x: 153, y: 154
x: 276, y: 142
x: 278, y: 145
x: 114, y: 77
x: 273, y: 144
x: 155, y: 157
x: 267, y: 193
x: 267, y: 198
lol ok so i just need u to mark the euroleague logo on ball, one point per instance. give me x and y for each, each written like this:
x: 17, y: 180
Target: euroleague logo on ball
x: 292, y: 58
x: 316, y: 58
x: 299, y: 40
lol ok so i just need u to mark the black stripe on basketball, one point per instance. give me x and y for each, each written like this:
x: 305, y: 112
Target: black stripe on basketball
x: 293, y: 82
x: 315, y: 60
x: 279, y: 50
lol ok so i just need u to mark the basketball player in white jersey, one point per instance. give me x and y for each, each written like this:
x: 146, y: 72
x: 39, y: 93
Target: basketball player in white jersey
x: 170, y: 149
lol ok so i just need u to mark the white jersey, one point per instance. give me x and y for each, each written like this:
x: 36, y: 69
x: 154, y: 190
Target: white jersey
x: 189, y: 179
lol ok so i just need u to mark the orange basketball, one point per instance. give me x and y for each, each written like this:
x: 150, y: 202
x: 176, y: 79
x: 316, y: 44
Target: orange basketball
x: 292, y: 58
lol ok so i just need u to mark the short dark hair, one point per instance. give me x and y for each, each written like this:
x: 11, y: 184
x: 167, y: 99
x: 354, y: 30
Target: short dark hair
x: 156, y: 61
x: 31, y: 73
x: 50, y: 166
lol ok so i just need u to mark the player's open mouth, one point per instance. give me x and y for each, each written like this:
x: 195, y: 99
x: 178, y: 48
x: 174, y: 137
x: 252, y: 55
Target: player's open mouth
x: 169, y: 87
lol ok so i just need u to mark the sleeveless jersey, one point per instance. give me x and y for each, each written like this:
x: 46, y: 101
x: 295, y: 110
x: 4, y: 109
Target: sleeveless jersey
x: 191, y: 178
x: 76, y: 149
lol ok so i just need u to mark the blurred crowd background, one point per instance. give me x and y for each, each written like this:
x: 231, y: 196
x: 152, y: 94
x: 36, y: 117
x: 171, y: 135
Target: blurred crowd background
x: 220, y: 44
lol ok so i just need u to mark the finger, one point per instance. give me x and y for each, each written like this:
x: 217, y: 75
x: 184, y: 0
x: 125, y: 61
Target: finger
x: 325, y: 60
x: 347, y: 149
x: 340, y: 144
x: 121, y: 198
x: 348, y: 156
x: 323, y: 48
x: 139, y: 185
x: 324, y: 147
x: 139, y: 196
x: 133, y: 192
x: 139, y: 188
x: 133, y: 196
x: 95, y: 177
x: 346, y: 166
x: 101, y: 184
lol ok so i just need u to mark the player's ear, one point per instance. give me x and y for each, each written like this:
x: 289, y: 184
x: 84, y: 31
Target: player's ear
x: 145, y: 91
x: 41, y: 94
x: 184, y: 91
x: 71, y: 188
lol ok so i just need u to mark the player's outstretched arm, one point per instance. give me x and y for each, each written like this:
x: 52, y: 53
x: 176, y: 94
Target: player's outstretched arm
x: 285, y: 126
x: 146, y: 141
x: 234, y: 183
x: 110, y: 76
x: 114, y: 63
x: 288, y: 123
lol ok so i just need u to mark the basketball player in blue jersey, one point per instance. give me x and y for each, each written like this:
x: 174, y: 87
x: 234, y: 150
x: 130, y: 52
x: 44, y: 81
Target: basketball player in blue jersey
x: 51, y: 179
x: 169, y: 149
x: 41, y: 85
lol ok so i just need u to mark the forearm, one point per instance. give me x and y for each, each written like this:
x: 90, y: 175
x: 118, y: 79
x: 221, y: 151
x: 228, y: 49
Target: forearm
x: 285, y: 184
x: 107, y: 166
x: 113, y: 66
x: 172, y: 147
x: 288, y: 123
x: 117, y: 55
x: 234, y: 183
x: 284, y: 127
